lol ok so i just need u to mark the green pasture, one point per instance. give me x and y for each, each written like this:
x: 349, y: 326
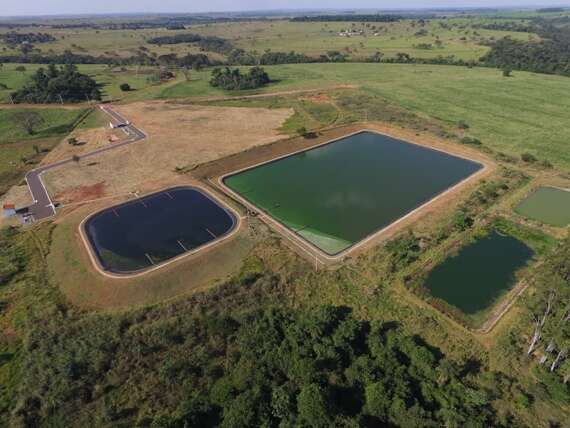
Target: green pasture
x: 523, y: 113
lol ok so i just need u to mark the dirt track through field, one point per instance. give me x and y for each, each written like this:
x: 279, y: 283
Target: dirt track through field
x: 274, y: 94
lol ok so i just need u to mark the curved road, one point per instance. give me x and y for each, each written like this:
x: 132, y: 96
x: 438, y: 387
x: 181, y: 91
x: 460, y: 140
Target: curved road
x: 43, y: 207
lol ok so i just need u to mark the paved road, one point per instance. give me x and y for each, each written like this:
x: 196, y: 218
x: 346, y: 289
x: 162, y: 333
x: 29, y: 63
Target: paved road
x: 43, y: 207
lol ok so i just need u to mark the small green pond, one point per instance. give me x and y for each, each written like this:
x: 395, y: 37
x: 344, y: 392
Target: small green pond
x: 474, y: 278
x: 548, y: 205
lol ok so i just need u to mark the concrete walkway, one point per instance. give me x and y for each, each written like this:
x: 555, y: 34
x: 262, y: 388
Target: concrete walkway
x: 43, y: 207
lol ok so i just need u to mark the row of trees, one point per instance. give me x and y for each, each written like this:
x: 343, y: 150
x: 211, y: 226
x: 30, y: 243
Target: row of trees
x: 14, y: 38
x: 233, y: 79
x: 348, y: 18
x: 58, y: 84
x: 206, y: 43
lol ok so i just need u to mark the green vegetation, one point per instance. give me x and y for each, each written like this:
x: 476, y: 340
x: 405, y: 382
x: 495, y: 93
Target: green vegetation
x: 65, y: 84
x: 275, y: 342
x: 20, y: 150
x: 244, y: 354
x: 461, y: 38
x: 234, y: 80
x: 491, y: 103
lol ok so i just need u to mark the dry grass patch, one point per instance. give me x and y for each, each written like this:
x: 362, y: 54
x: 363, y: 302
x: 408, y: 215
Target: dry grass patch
x: 180, y: 136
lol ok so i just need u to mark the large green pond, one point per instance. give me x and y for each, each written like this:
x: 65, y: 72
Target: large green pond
x: 335, y: 195
x: 474, y: 278
x: 548, y: 205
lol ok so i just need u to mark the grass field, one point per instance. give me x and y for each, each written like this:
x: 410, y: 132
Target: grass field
x: 19, y: 152
x: 109, y: 78
x: 315, y: 38
x: 523, y: 113
x: 457, y: 37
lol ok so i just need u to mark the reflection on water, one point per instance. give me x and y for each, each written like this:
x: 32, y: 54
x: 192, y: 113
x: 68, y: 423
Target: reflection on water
x: 348, y: 189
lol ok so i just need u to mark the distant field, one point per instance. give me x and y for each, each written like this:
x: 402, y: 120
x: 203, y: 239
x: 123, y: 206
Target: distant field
x: 458, y: 37
x: 525, y: 112
x: 314, y: 38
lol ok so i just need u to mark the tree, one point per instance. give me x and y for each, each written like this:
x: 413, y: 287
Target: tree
x: 28, y: 120
x: 125, y: 87
x: 507, y: 71
x: 21, y: 69
x: 313, y: 407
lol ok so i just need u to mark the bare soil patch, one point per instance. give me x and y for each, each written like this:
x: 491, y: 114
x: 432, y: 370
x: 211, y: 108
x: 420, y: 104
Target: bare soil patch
x: 180, y: 137
x: 81, y: 193
x: 88, y: 140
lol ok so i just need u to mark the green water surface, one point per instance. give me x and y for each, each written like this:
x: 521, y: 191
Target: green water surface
x: 473, y: 279
x: 548, y: 205
x: 337, y: 194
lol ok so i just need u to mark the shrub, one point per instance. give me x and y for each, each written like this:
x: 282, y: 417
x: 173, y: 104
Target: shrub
x: 528, y: 158
x: 462, y: 124
x: 125, y: 87
x: 471, y: 141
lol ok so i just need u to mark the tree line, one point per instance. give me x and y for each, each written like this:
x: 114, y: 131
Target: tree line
x: 207, y: 43
x: 347, y: 18
x: 14, y: 38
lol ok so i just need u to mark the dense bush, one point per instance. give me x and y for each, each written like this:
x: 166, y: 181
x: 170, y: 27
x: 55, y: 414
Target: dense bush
x: 270, y: 367
x: 549, y: 55
x: 233, y: 79
x: 58, y: 84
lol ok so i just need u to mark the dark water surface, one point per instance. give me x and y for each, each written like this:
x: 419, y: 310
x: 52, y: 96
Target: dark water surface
x: 480, y: 273
x: 144, y: 232
x: 337, y: 194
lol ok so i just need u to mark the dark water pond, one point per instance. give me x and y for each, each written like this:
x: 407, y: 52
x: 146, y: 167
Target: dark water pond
x: 147, y: 231
x: 337, y: 194
x: 474, y: 278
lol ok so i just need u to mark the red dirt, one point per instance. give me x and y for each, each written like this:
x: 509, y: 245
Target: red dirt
x: 81, y: 193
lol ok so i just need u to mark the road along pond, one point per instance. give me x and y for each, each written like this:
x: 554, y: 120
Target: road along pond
x: 335, y: 195
x: 146, y: 232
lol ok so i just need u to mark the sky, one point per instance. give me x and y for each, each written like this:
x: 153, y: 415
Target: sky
x: 56, y: 7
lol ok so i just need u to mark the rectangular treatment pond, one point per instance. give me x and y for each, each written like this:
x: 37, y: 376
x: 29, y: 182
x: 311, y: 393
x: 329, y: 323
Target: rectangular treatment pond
x: 146, y: 232
x: 337, y: 194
